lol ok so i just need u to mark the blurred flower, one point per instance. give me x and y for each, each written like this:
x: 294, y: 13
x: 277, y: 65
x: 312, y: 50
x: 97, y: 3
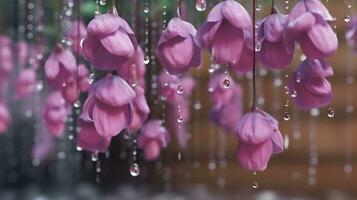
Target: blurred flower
x: 308, y: 85
x: 140, y: 110
x: 308, y: 24
x: 108, y: 105
x: 351, y: 34
x: 26, y: 82
x: 110, y: 42
x: 223, y: 32
x: 6, y: 56
x: 5, y: 118
x: 277, y: 49
x: 75, y: 33
x: 22, y: 51
x: 88, y: 138
x: 259, y: 138
x: 177, y: 49
x: 152, y: 138
x: 44, y: 148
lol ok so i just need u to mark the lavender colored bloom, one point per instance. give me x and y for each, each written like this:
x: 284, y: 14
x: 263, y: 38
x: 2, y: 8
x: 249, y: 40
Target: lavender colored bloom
x: 26, y: 83
x: 6, y: 56
x: 351, y: 34
x: 89, y: 139
x: 259, y: 138
x: 309, y: 86
x: 177, y: 49
x: 44, y: 148
x: 5, y: 118
x: 76, y: 32
x: 140, y: 110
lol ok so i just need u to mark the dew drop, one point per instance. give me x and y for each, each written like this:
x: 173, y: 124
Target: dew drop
x: 134, y: 170
x: 294, y: 94
x: 298, y: 77
x: 91, y: 78
x: 103, y: 2
x: 331, y: 112
x: 347, y: 18
x: 95, y: 157
x: 179, y: 89
x: 147, y: 60
x: 226, y: 83
x: 286, y: 116
x: 77, y: 104
x: 255, y: 184
x: 258, y: 47
x: 201, y: 5
x: 146, y: 10
x: 179, y: 119
x: 78, y: 148
x: 197, y: 105
x: 258, y: 7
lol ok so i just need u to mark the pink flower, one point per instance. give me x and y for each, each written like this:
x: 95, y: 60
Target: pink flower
x: 89, y: 139
x: 83, y: 78
x: 6, y: 56
x: 177, y: 49
x: 351, y: 34
x: 134, y: 70
x: 219, y: 94
x: 152, y: 138
x: 22, y: 51
x: 44, y: 148
x: 5, y: 118
x: 277, y: 49
x: 140, y: 110
x: 108, y: 105
x: 110, y: 42
x: 308, y: 23
x: 308, y: 85
x: 60, y: 67
x: 26, y: 82
x: 223, y: 32
x: 76, y: 32
x: 55, y: 112
x: 245, y: 63
x: 259, y: 138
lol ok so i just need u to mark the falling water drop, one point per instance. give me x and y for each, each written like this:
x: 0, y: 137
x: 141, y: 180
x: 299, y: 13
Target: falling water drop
x: 331, y: 112
x: 294, y: 94
x: 197, y: 105
x: 78, y: 148
x: 103, y: 2
x: 347, y: 18
x: 286, y: 116
x: 91, y: 78
x: 134, y: 170
x: 180, y: 89
x: 258, y: 47
x: 255, y: 184
x: 147, y: 60
x: 286, y: 141
x: 95, y: 157
x: 258, y: 7
x: 146, y: 10
x: 298, y: 77
x: 179, y: 119
x: 77, y: 104
x: 226, y: 83
x: 201, y: 5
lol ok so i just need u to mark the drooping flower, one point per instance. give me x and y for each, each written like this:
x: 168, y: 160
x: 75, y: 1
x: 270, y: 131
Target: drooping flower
x: 76, y: 32
x: 152, y: 138
x: 55, y: 112
x: 170, y: 86
x: 259, y: 138
x: 109, y: 43
x: 245, y: 63
x: 140, y: 110
x: 44, y: 148
x: 5, y: 118
x: 223, y: 32
x: 308, y: 23
x: 83, y: 78
x: 88, y: 138
x: 177, y: 48
x: 308, y: 85
x: 22, y: 52
x: 134, y: 70
x: 351, y: 34
x: 108, y: 105
x: 277, y: 49
x: 224, y: 101
x: 6, y: 56
x: 60, y: 67
x: 26, y: 82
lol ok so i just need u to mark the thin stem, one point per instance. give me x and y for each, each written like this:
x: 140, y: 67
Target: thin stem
x: 113, y: 3
x: 179, y: 7
x: 254, y: 85
x: 273, y: 7
x: 58, y: 23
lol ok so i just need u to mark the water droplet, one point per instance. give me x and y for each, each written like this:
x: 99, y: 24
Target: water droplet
x: 298, y: 77
x: 258, y: 7
x: 294, y: 94
x: 179, y: 156
x: 258, y: 47
x: 211, y: 70
x: 147, y: 60
x: 77, y: 104
x: 134, y: 170
x: 146, y: 10
x: 197, y: 105
x: 78, y: 148
x: 226, y: 83
x: 179, y: 119
x: 349, y: 6
x: 201, y: 5
x: 286, y: 116
x: 347, y: 18
x: 91, y: 78
x: 180, y: 89
x: 331, y: 112
x: 255, y: 184
x: 212, y: 165
x: 286, y: 141
x: 314, y: 112
x: 348, y: 168
x: 102, y: 2
x: 95, y: 157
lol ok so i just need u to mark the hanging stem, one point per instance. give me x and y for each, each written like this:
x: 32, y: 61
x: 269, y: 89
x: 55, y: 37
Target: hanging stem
x: 58, y: 23
x: 113, y: 3
x: 254, y: 86
x: 273, y: 11
x: 179, y: 7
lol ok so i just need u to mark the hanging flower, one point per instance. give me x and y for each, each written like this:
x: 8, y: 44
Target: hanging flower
x: 44, y: 148
x: 108, y: 105
x: 6, y: 56
x: 60, y: 67
x: 308, y: 85
x: 277, y: 49
x: 245, y: 63
x: 351, y: 34
x: 5, y: 118
x: 54, y: 114
x: 83, y: 78
x: 308, y: 24
x: 223, y: 32
x: 140, y: 110
x: 88, y: 138
x: 177, y: 49
x: 259, y: 138
x: 152, y: 138
x: 22, y: 51
x: 26, y: 83
x: 76, y: 32
x: 110, y: 42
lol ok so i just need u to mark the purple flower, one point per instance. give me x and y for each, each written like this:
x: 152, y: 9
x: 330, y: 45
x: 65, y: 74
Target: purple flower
x: 308, y: 24
x: 89, y: 139
x: 110, y: 42
x: 75, y: 33
x: 108, y: 105
x: 259, y: 138
x: 6, y: 56
x: 277, y: 49
x: 223, y: 32
x: 26, y: 82
x: 351, y: 34
x: 245, y: 63
x: 308, y: 85
x: 5, y: 118
x: 140, y: 110
x: 60, y: 67
x: 152, y: 138
x: 177, y: 49
x: 44, y: 148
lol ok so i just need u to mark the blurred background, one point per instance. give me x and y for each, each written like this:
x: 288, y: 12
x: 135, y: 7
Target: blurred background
x: 319, y: 162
